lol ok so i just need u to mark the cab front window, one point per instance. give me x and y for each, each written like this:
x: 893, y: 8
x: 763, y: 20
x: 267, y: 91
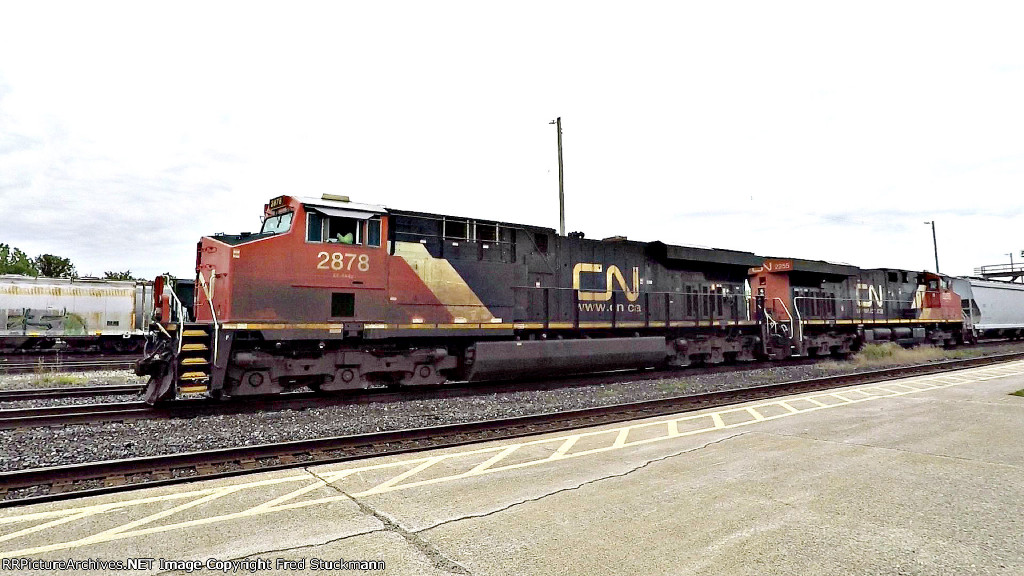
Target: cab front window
x: 277, y: 224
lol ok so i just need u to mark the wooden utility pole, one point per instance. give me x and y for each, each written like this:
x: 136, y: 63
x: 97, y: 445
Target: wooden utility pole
x: 561, y: 181
x: 935, y: 244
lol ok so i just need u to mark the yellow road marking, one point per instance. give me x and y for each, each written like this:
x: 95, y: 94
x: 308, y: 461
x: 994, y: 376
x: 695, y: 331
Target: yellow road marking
x: 902, y: 386
x: 787, y: 407
x: 673, y: 428
x: 401, y: 481
x: 620, y: 440
x: 328, y: 478
x: 494, y: 459
x: 45, y: 525
x: 565, y: 447
x: 101, y: 536
x: 427, y: 464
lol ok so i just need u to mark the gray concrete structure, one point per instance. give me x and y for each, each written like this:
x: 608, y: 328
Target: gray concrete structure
x: 918, y: 476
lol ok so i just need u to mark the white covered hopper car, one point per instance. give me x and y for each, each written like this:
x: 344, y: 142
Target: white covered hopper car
x: 992, y: 308
x: 73, y: 313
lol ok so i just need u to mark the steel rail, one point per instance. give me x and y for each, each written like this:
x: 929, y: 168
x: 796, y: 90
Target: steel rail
x: 95, y: 478
x: 21, y: 394
x: 76, y: 414
x: 59, y: 415
x: 51, y: 366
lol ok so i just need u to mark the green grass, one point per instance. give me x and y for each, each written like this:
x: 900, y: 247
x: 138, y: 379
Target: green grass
x: 889, y: 354
x: 671, y: 385
x: 1018, y: 393
x: 56, y: 380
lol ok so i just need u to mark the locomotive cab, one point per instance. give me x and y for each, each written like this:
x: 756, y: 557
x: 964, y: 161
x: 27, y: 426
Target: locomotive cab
x: 315, y: 261
x: 938, y: 301
x: 316, y: 265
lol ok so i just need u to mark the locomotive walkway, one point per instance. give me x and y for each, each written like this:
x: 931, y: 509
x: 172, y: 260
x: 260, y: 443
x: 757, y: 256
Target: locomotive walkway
x: 916, y: 476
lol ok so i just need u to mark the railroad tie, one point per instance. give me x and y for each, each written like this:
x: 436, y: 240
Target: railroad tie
x: 61, y: 486
x: 205, y: 469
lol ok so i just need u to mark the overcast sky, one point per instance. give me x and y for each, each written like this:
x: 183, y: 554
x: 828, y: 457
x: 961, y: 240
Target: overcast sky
x: 821, y: 130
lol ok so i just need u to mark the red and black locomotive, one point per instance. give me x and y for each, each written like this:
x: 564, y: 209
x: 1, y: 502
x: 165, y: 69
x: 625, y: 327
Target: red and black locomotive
x: 335, y: 295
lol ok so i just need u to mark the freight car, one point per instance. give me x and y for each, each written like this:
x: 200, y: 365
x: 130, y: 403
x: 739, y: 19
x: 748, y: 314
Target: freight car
x: 336, y: 295
x: 73, y: 313
x: 991, y: 308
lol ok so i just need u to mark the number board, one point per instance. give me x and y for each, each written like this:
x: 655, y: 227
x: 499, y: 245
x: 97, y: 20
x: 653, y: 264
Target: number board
x: 343, y: 261
x: 276, y: 202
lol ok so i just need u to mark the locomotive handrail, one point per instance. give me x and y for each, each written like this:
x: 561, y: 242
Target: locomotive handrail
x: 178, y: 312
x: 857, y: 307
x: 213, y: 313
x: 786, y: 309
x: 703, y: 307
x: 799, y: 323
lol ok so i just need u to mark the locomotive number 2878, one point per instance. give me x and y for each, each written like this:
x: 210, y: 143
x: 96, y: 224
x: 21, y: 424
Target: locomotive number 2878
x: 343, y: 261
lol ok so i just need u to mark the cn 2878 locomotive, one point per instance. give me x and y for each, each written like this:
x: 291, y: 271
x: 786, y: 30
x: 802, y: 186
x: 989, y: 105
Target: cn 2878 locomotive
x: 335, y: 295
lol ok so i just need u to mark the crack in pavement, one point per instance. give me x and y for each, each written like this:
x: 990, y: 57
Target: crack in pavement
x: 889, y: 448
x: 429, y: 551
x: 434, y: 555
x: 577, y: 487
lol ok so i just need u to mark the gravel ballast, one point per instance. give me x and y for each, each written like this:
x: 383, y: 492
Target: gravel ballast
x: 52, y: 446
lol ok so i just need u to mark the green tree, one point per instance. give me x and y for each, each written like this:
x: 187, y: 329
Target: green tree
x: 14, y: 261
x: 55, y: 266
x: 126, y: 275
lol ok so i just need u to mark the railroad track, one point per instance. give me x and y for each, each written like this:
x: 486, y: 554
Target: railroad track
x: 60, y: 415
x: 77, y: 414
x: 49, y: 365
x: 24, y: 394
x: 63, y: 482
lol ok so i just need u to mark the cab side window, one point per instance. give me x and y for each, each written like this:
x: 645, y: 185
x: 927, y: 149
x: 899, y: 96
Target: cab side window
x: 373, y: 232
x: 340, y: 230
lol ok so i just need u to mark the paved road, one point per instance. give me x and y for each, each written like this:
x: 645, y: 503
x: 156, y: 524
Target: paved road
x: 918, y: 476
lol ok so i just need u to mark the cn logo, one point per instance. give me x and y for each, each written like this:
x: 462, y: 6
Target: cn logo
x: 874, y: 299
x: 612, y: 273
